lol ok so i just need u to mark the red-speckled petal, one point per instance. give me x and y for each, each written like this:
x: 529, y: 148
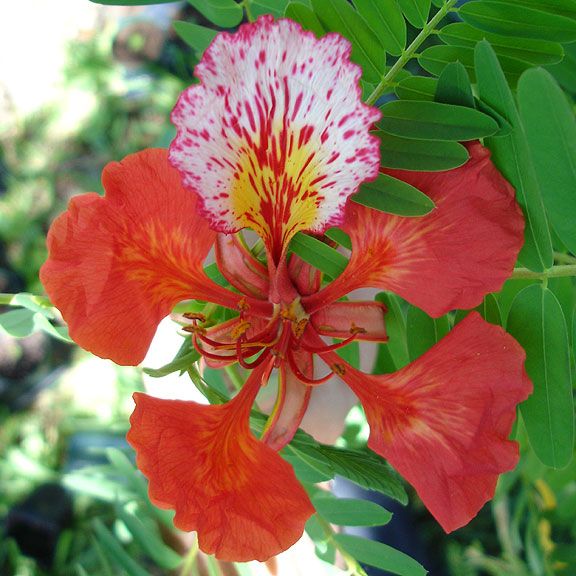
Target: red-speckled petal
x: 451, y: 258
x: 275, y: 137
x: 443, y: 421
x: 118, y: 264
x: 240, y: 496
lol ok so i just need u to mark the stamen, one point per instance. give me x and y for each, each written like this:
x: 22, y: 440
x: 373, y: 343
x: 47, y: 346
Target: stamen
x: 254, y: 363
x: 239, y: 330
x: 299, y: 327
x: 195, y: 316
x: 203, y: 352
x: 329, y: 347
x: 298, y: 373
x: 194, y: 329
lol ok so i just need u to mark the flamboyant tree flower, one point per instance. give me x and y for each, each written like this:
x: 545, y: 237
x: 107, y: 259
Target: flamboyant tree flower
x: 275, y: 138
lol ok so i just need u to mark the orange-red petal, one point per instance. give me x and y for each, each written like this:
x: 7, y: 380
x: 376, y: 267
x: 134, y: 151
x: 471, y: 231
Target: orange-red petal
x: 240, y: 496
x: 118, y: 264
x: 451, y: 258
x: 443, y: 421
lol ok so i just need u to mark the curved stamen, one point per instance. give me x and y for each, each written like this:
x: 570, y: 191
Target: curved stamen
x: 207, y: 354
x: 328, y: 347
x: 298, y: 373
x: 250, y: 365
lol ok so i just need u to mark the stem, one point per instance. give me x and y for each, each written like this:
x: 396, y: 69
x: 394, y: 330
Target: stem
x: 409, y: 52
x: 554, y: 272
x: 564, y: 258
x: 6, y: 299
x: 354, y: 567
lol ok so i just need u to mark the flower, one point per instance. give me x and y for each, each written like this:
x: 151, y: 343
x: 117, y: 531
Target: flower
x: 275, y: 138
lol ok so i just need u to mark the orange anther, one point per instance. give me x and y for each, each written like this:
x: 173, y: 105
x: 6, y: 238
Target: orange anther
x: 243, y: 305
x: 338, y: 369
x: 299, y: 327
x: 240, y: 330
x: 195, y: 316
x: 357, y: 329
x: 194, y: 329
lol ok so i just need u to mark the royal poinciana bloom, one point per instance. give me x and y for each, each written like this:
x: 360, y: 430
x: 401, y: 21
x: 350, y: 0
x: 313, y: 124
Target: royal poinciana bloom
x: 275, y: 138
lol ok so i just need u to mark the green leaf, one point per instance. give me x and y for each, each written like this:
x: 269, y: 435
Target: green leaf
x: 551, y: 131
x: 397, y: 345
x: 116, y: 552
x: 198, y: 37
x: 435, y: 59
x: 213, y: 272
x: 365, y: 468
x: 387, y: 22
x: 149, y: 540
x: 416, y: 11
x: 526, y: 49
x: 512, y: 157
x: 416, y: 88
x: 339, y: 236
x: 181, y: 362
x: 34, y: 303
x: 339, y: 16
x: 319, y: 254
x: 565, y: 71
x: 275, y: 7
x: 536, y: 320
x: 308, y: 464
x: 488, y: 309
x: 393, y: 196
x: 435, y: 121
x: 426, y: 155
x: 304, y: 16
x: 509, y: 19
x: 422, y: 331
x: 454, y: 86
x: 350, y: 511
x: 561, y: 7
x: 24, y: 322
x: 380, y: 555
x: 224, y: 13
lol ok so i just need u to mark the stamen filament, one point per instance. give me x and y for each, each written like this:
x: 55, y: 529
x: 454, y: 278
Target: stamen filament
x: 298, y: 373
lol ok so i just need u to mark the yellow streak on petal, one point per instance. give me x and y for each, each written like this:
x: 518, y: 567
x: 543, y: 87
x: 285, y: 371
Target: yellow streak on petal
x: 273, y: 193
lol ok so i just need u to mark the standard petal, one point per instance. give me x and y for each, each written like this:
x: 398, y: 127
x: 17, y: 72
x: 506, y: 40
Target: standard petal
x: 365, y: 320
x: 118, y: 264
x: 240, y: 496
x: 275, y: 137
x: 443, y: 421
x: 451, y: 258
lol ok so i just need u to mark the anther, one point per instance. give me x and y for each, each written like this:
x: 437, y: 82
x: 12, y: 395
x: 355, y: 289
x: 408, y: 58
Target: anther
x: 338, y: 369
x: 357, y: 329
x: 195, y: 316
x: 240, y: 330
x: 194, y: 329
x: 243, y: 305
x: 299, y: 327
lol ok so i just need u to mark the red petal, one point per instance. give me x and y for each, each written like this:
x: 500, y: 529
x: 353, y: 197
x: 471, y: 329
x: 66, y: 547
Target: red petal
x: 447, y: 259
x: 443, y: 421
x: 237, y: 493
x: 118, y: 264
x: 291, y: 404
x: 342, y: 319
x: 240, y: 268
x: 305, y: 278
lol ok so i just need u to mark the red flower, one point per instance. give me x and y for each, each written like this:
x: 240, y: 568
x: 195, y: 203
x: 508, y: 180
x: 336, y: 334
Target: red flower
x: 276, y: 138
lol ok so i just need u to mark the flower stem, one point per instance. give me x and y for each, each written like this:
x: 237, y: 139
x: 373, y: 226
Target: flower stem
x: 564, y: 258
x: 554, y: 272
x: 409, y: 53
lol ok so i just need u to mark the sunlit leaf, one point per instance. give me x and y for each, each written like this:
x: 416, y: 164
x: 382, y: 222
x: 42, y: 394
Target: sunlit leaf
x: 416, y: 11
x: 198, y: 37
x: 511, y: 19
x: 536, y: 320
x: 350, y: 511
x: 551, y: 131
x: 306, y: 17
x: 340, y: 16
x: 422, y: 331
x: 527, y: 49
x: 454, y: 86
x: 427, y: 155
x: 435, y: 121
x: 224, y: 13
x: 380, y: 555
x: 393, y: 196
x: 512, y: 156
x: 387, y: 22
x: 416, y: 88
x: 319, y: 254
x: 24, y: 322
x: 562, y: 7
